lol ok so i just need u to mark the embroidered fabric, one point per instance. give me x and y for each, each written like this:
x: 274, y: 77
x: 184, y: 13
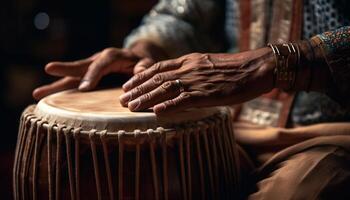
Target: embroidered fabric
x: 321, y: 16
x: 183, y: 26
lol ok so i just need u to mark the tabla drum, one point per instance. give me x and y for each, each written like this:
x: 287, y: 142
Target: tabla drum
x: 74, y: 145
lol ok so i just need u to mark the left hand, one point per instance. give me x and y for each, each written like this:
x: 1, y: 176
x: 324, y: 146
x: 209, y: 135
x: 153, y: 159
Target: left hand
x: 206, y: 79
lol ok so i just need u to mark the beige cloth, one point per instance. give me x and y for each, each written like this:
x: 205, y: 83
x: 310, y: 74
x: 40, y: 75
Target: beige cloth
x: 263, y: 142
x: 313, y: 170
x: 310, y: 162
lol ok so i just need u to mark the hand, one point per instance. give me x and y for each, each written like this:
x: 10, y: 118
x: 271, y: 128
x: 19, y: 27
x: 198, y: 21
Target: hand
x: 86, y: 73
x: 207, y: 80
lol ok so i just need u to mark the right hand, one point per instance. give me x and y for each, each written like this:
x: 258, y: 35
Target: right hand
x: 86, y: 73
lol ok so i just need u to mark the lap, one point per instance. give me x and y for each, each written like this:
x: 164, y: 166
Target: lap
x: 320, y: 172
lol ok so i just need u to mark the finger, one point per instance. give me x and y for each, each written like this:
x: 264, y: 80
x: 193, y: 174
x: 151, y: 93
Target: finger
x: 75, y: 68
x: 146, y: 87
x: 159, y: 67
x: 94, y: 73
x: 62, y: 84
x: 143, y: 65
x: 166, y: 91
x: 184, y: 101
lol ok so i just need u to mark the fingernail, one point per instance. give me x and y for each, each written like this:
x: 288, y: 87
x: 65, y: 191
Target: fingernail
x: 125, y: 98
x: 84, y: 85
x: 126, y: 86
x: 158, y: 108
x: 134, y: 105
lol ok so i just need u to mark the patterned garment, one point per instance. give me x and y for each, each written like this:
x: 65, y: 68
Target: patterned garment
x: 321, y: 16
x: 184, y: 26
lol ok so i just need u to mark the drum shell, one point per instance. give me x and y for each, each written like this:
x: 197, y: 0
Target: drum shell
x: 34, y: 155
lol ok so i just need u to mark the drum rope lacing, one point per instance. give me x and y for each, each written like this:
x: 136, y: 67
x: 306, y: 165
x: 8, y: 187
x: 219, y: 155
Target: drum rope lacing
x: 30, y: 141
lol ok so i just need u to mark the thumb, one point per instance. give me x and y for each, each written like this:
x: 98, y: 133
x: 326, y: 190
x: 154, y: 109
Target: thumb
x: 143, y: 64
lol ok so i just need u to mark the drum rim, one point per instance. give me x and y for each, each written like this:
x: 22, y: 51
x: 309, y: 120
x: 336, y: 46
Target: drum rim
x: 47, y: 111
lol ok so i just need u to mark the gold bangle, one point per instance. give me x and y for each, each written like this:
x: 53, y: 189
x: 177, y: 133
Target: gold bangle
x: 287, y: 58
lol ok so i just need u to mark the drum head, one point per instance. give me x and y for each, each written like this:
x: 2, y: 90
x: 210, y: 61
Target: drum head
x: 102, y: 110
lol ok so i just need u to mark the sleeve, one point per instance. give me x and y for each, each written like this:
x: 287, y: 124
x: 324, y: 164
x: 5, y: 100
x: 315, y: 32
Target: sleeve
x: 336, y: 49
x: 182, y: 26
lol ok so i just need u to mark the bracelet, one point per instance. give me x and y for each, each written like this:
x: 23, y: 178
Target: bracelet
x: 287, y: 58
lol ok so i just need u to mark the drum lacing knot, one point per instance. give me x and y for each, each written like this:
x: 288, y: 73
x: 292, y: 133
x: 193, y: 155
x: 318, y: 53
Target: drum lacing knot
x: 163, y: 134
x: 151, y: 135
x: 92, y: 134
x: 60, y: 128
x: 35, y: 121
x: 28, y: 117
x: 161, y: 131
x: 39, y: 125
x: 121, y: 135
x: 50, y: 128
x: 137, y: 133
x: 103, y: 135
x: 76, y: 133
x: 67, y: 130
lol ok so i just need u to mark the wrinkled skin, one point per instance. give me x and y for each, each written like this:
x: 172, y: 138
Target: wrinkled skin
x: 86, y: 73
x: 207, y: 80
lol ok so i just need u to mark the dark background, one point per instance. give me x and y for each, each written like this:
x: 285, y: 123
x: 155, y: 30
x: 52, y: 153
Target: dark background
x: 76, y: 29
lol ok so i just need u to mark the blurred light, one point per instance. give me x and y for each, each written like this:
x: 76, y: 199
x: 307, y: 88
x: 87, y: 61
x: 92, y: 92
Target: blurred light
x: 41, y: 21
x: 180, y: 9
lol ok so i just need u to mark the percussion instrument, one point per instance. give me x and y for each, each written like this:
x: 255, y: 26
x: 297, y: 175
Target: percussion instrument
x: 74, y: 145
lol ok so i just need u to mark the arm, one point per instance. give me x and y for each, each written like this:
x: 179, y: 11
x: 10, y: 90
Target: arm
x: 180, y: 26
x: 325, y: 66
x: 334, y: 47
x: 199, y: 80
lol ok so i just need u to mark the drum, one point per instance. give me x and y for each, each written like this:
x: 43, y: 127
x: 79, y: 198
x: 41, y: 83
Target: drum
x: 74, y: 145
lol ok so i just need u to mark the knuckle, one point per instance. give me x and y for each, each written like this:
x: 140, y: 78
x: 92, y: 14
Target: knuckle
x: 139, y: 76
x: 146, y: 97
x: 171, y: 102
x: 169, y: 85
x: 185, y: 95
x: 158, y: 78
x: 156, y: 67
x: 204, y: 56
x: 109, y: 51
x: 139, y: 90
x: 194, y: 55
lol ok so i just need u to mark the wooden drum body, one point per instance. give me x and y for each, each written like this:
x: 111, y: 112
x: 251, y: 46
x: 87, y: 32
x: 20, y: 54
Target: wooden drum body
x: 87, y: 146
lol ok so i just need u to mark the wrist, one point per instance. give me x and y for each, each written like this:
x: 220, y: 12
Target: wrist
x: 314, y: 74
x: 287, y: 61
x: 305, y: 74
x: 300, y: 66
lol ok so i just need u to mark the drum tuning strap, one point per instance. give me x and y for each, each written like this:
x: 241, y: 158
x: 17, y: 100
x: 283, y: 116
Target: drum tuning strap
x: 92, y: 137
